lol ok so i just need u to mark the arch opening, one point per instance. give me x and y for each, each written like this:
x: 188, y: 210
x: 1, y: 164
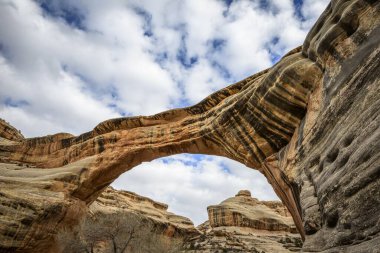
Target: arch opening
x: 190, y: 183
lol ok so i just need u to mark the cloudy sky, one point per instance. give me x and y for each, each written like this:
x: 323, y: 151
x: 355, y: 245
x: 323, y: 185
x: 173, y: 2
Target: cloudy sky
x: 67, y: 65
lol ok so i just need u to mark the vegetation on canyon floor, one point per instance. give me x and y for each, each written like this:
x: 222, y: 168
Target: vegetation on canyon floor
x: 117, y: 233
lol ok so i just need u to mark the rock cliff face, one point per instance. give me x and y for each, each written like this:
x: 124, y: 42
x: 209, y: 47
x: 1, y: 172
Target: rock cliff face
x: 310, y: 124
x: 158, y: 229
x: 245, y: 224
x: 245, y: 211
x: 8, y: 132
x: 117, y: 201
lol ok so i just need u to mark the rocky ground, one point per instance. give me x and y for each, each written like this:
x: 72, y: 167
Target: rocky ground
x: 238, y: 239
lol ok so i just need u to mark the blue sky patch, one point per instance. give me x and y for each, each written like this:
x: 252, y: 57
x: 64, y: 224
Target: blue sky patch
x: 183, y: 101
x: 117, y: 109
x: 298, y: 9
x: 161, y: 57
x: 264, y: 5
x: 192, y: 159
x: 274, y: 56
x: 228, y: 2
x: 183, y: 57
x: 223, y: 71
x: 218, y: 44
x: 225, y: 168
x: 147, y: 18
x: 70, y: 14
x: 5, y: 52
x: 10, y: 102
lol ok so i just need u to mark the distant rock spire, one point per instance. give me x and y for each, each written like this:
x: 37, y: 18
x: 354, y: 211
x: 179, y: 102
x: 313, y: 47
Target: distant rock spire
x: 244, y: 193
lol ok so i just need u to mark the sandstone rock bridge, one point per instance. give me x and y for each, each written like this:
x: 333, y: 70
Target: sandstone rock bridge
x: 310, y: 124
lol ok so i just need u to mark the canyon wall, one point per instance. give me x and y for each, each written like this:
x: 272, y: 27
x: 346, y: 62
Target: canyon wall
x: 120, y: 201
x: 310, y: 124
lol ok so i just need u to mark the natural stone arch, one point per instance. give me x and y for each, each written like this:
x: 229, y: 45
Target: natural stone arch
x: 247, y: 122
x: 260, y: 122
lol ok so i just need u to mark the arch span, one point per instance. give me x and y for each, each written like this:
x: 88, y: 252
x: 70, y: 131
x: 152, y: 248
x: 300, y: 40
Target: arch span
x: 247, y: 122
x: 285, y: 121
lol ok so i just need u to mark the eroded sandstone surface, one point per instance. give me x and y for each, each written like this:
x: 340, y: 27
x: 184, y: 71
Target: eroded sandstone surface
x: 120, y: 201
x: 143, y: 224
x: 245, y: 224
x: 310, y: 124
x: 245, y: 211
x: 242, y: 239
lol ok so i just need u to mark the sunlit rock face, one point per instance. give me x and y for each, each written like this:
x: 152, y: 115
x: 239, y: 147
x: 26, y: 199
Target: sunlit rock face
x: 118, y: 201
x: 310, y: 124
x: 245, y: 224
x: 245, y: 211
x: 8, y: 132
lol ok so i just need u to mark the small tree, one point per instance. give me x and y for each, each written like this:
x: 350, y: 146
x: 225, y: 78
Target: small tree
x: 119, y: 229
x: 153, y: 241
x: 83, y: 239
x: 71, y: 243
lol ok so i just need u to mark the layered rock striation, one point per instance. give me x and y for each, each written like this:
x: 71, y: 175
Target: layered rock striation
x: 245, y: 224
x: 9, y: 133
x: 120, y: 201
x: 310, y: 124
x: 242, y: 240
x: 245, y: 211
